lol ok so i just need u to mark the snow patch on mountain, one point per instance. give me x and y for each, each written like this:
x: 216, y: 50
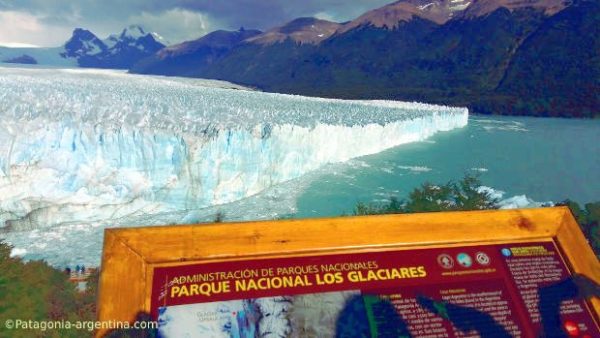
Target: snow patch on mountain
x: 133, y: 32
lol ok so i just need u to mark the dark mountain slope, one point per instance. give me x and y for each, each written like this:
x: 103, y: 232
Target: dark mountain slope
x: 557, y: 69
x: 271, y: 51
x: 272, y: 59
x: 534, y: 57
x: 415, y: 57
x: 270, y: 67
x: 301, y: 30
x: 190, y: 58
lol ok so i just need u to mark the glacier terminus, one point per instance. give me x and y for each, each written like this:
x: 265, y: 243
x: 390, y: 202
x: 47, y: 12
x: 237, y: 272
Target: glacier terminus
x: 94, y: 148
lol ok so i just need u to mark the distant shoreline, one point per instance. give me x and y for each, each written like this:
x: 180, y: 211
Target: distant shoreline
x: 478, y: 110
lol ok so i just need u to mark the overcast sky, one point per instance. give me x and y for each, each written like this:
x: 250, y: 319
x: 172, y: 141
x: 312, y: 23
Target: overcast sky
x: 51, y: 22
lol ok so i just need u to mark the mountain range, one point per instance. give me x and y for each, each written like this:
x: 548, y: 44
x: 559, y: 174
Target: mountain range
x: 191, y: 57
x: 511, y: 57
x: 516, y: 57
x: 84, y: 49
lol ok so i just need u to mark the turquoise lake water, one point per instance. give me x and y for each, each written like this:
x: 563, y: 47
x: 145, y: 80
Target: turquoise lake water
x: 544, y: 159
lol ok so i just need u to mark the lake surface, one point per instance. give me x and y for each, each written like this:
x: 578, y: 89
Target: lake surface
x: 544, y: 159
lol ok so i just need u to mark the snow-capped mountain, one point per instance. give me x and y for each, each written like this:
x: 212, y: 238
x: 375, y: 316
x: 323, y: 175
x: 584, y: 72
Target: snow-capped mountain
x: 135, y: 36
x: 85, y: 49
x: 116, y: 51
x: 133, y: 33
x: 83, y: 43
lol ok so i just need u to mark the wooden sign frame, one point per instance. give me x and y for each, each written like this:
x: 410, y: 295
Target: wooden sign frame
x: 131, y: 254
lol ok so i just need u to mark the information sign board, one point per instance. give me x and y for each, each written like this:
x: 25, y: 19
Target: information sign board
x: 510, y: 273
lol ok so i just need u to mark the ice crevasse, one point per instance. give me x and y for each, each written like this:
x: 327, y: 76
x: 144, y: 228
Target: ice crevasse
x: 88, y: 146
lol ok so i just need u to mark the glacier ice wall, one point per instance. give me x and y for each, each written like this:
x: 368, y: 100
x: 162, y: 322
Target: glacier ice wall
x: 98, y: 146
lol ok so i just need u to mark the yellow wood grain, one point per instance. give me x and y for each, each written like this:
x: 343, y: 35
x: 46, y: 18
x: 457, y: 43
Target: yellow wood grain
x: 123, y: 282
x: 579, y: 255
x: 199, y: 242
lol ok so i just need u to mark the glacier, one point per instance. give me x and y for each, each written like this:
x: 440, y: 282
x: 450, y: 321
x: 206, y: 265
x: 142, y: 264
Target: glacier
x: 93, y: 148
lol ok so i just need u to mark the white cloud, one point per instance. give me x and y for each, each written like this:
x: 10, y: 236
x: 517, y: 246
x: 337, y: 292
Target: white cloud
x: 24, y: 29
x: 175, y: 25
x: 325, y: 16
x: 17, y: 45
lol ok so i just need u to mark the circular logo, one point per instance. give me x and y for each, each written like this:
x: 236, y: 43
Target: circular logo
x: 445, y: 261
x: 506, y: 252
x: 482, y: 258
x: 464, y: 260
